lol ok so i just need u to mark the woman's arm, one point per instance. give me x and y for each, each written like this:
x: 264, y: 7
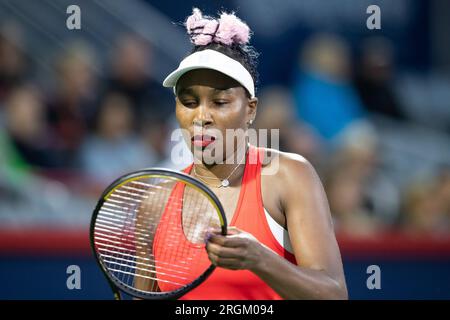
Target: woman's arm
x: 319, y: 274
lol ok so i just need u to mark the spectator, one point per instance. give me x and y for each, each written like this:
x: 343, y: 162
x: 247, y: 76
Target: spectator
x: 28, y: 130
x: 131, y: 75
x: 362, y: 199
x: 114, y: 149
x: 325, y: 97
x: 374, y: 80
x: 427, y: 206
x: 14, y: 65
x: 276, y: 111
x: 71, y: 106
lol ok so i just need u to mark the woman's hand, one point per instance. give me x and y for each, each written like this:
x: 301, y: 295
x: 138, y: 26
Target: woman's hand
x: 237, y: 250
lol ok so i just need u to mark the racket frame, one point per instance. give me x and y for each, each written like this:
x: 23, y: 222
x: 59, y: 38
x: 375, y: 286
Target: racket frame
x: 115, y: 284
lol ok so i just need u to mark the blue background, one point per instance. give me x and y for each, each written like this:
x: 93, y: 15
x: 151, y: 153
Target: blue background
x: 44, y: 277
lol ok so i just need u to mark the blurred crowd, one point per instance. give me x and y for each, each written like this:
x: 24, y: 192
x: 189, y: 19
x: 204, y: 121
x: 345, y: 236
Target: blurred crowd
x: 63, y: 140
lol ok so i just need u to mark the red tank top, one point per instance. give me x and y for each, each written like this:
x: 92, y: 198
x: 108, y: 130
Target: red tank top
x: 222, y: 284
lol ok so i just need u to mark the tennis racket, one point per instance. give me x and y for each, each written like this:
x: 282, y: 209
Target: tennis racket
x: 148, y: 233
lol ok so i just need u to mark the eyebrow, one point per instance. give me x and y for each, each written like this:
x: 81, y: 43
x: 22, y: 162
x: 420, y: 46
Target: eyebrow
x: 227, y: 90
x: 186, y: 91
x: 190, y: 91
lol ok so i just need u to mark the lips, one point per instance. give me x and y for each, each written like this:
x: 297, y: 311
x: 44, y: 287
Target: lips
x: 202, y: 140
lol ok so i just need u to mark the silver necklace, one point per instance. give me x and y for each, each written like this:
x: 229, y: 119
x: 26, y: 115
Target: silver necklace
x: 224, y: 182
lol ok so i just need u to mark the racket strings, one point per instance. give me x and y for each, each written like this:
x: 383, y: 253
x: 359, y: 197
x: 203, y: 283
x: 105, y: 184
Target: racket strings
x: 113, y: 233
x: 126, y: 226
x: 124, y: 250
x: 130, y: 223
x: 196, y: 225
x: 143, y: 264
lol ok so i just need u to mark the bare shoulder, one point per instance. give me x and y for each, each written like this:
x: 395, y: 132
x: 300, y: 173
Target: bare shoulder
x: 298, y: 188
x: 293, y: 180
x: 290, y: 168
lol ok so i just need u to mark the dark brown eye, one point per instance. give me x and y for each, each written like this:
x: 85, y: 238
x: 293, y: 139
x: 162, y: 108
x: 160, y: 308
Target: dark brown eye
x: 220, y: 102
x: 189, y: 103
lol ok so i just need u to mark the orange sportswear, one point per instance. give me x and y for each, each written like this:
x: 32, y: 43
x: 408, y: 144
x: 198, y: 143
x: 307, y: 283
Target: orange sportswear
x: 222, y: 284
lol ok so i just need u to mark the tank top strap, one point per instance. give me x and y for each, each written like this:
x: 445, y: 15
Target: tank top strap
x: 253, y: 166
x: 254, y: 159
x: 250, y: 194
x: 188, y: 169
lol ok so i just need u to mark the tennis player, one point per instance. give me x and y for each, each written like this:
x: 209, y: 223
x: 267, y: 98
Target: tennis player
x: 281, y: 243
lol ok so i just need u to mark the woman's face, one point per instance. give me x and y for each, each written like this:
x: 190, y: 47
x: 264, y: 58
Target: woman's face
x: 215, y: 110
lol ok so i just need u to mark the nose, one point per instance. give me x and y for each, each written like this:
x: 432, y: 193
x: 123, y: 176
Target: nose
x: 203, y: 117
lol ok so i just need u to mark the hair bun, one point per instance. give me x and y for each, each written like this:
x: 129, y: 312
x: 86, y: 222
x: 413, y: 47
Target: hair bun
x: 228, y: 30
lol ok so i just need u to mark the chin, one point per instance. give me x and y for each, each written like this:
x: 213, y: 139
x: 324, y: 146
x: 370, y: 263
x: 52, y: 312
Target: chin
x: 207, y: 155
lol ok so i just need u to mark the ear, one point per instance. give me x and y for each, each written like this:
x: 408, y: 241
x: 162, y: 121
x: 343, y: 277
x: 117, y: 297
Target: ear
x: 252, y: 106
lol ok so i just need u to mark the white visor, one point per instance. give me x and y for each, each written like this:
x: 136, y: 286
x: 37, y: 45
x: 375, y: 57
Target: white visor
x: 211, y: 59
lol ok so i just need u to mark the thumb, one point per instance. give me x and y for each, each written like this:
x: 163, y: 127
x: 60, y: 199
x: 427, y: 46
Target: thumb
x: 233, y: 231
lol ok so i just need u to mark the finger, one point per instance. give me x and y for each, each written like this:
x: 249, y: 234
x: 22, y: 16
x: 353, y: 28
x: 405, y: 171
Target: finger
x: 210, y: 231
x: 228, y: 263
x: 217, y: 238
x: 214, y: 230
x: 223, y: 252
x: 233, y: 231
x: 227, y: 241
x: 218, y: 231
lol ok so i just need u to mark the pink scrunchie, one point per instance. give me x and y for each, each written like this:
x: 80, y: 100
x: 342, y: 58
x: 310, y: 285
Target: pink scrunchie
x: 228, y: 30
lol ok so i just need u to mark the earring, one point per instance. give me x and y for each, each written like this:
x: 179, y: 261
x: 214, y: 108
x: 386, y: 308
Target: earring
x: 250, y: 122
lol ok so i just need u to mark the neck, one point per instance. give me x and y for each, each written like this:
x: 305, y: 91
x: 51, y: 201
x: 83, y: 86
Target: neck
x: 232, y: 171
